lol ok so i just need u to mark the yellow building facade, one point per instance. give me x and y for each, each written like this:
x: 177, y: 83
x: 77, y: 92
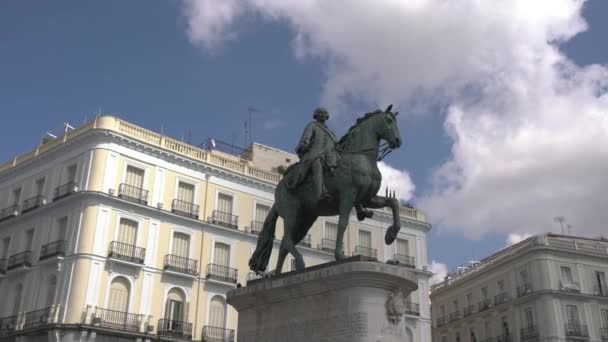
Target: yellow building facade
x: 113, y: 231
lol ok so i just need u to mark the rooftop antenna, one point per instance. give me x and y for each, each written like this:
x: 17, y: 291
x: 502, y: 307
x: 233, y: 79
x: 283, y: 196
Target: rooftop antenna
x: 561, y: 221
x: 251, y: 109
x: 569, y: 227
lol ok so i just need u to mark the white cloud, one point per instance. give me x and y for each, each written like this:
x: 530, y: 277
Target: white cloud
x: 397, y: 180
x: 514, y: 238
x: 529, y: 128
x: 439, y: 270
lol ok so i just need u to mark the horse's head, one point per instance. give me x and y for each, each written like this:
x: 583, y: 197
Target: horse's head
x: 390, y: 130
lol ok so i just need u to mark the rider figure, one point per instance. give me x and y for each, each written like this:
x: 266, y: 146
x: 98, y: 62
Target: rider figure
x: 318, y: 147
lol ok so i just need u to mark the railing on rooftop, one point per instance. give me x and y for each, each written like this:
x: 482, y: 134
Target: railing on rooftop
x: 225, y: 219
x: 133, y: 193
x: 217, y: 334
x: 180, y: 264
x: 186, y: 209
x: 33, y: 203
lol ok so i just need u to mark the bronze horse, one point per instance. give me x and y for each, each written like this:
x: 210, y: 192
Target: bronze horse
x: 355, y: 184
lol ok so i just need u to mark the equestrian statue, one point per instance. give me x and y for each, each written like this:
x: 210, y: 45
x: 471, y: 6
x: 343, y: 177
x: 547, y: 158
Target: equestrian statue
x: 331, y: 178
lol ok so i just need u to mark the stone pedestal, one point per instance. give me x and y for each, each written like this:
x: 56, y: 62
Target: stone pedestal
x: 353, y: 300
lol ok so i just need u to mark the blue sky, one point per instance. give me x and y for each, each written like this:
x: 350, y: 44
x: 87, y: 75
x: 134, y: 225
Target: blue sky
x: 162, y: 66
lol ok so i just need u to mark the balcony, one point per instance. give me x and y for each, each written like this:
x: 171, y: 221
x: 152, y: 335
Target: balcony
x: 504, y: 338
x: 604, y: 334
x: 305, y: 241
x: 180, y: 265
x: 133, y: 194
x: 328, y: 245
x: 185, y: 209
x: 33, y: 203
x: 441, y: 321
x: 484, y: 305
x: 501, y: 298
x: 412, y: 308
x: 366, y: 251
x: 601, y: 291
x: 39, y: 318
x: 222, y: 273
x: 174, y: 329
x: 253, y: 276
x: 9, y: 212
x: 3, y: 265
x: 576, y: 330
x: 7, y: 326
x: 117, y: 320
x: 569, y: 286
x: 225, y: 219
x: 469, y: 310
x: 53, y: 249
x: 528, y: 333
x: 256, y: 227
x: 523, y: 290
x: 23, y: 259
x: 405, y: 260
x: 125, y: 252
x: 217, y: 334
x: 454, y: 316
x: 65, y: 190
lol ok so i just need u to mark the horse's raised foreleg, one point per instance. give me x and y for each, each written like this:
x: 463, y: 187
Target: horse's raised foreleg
x: 346, y: 205
x: 378, y: 202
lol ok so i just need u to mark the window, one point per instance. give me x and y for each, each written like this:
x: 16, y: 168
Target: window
x: 457, y: 337
x: 523, y: 276
x: 224, y: 203
x: 17, y: 299
x: 501, y: 286
x: 528, y: 318
x: 572, y: 315
x: 469, y: 299
x: 119, y: 295
x: 442, y: 310
x: 600, y: 278
x: 455, y: 306
x: 50, y: 292
x: 71, y: 173
x: 217, y: 312
x: 488, y: 330
x: 135, y: 177
x: 473, y: 337
x: 331, y: 231
x: 604, y: 318
x: 484, y: 293
x: 221, y: 254
x: 185, y: 192
x: 365, y: 239
x: 505, y: 327
x: 175, y: 309
x: 16, y: 196
x: 62, y: 226
x: 181, y: 245
x: 261, y: 211
x: 403, y: 247
x: 566, y: 274
x: 127, y: 232
x: 40, y: 186
x: 5, y: 245
x: 29, y: 240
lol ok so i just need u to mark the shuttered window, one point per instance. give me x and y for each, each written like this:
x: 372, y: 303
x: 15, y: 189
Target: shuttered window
x: 62, y: 226
x: 604, y: 318
x: 50, y: 292
x: 331, y: 231
x: 224, y: 203
x: 175, y: 309
x: 403, y: 247
x: 217, y: 312
x: 17, y: 299
x: 71, y: 173
x: 5, y: 244
x: 119, y: 295
x: 365, y: 239
x: 222, y: 254
x: 127, y: 232
x: 566, y: 274
x: 29, y: 240
x: 40, y: 186
x: 261, y: 211
x: 135, y: 177
x: 16, y: 196
x: 181, y: 245
x: 529, y: 318
x: 572, y: 314
x: 185, y: 192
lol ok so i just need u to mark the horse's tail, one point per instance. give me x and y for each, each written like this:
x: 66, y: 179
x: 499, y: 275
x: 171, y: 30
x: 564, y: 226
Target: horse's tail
x: 261, y: 255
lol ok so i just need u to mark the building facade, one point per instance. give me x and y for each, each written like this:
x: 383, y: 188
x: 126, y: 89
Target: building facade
x: 546, y: 288
x: 114, y: 231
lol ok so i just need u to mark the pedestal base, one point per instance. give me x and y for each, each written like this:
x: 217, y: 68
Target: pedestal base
x: 347, y: 301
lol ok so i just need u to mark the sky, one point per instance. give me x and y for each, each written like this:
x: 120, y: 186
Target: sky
x: 503, y: 105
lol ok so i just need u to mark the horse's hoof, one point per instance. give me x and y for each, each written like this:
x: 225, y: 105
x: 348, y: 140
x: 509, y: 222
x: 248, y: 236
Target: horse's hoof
x: 391, y: 234
x: 362, y: 215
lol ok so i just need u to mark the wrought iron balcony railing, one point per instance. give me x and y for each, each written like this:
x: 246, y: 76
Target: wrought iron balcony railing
x: 604, y: 333
x: 575, y: 329
x: 65, y: 190
x: 501, y: 298
x: 256, y: 227
x: 366, y: 251
x: 180, y: 264
x: 454, y: 316
x: 405, y: 260
x: 570, y: 286
x: 441, y: 321
x: 38, y: 318
x: 217, y: 334
x: 23, y: 259
x: 253, y: 276
x: 305, y: 241
x: 484, y: 305
x: 9, y: 212
x: 8, y: 325
x: 57, y: 248
x: 328, y: 245
x: 33, y: 203
x: 412, y: 308
x: 528, y: 333
x: 122, y: 251
x: 601, y: 291
x: 133, y: 194
x: 176, y: 329
x: 469, y: 310
x: 186, y: 209
x: 225, y: 219
x: 117, y: 320
x: 524, y: 290
x: 222, y: 273
x: 3, y: 265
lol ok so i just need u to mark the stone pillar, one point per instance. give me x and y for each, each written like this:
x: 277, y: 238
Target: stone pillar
x: 353, y: 300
